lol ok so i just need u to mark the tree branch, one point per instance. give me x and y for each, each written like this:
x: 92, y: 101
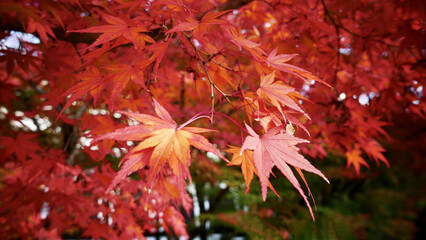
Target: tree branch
x: 337, y: 27
x: 231, y: 4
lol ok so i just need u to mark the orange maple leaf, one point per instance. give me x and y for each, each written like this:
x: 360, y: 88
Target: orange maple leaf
x: 158, y: 52
x: 245, y: 159
x: 354, y: 158
x: 161, y: 139
x: 276, y: 93
x: 94, y: 82
x: 121, y: 74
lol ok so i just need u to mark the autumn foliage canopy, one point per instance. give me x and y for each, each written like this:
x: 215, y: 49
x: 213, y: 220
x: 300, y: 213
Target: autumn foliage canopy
x: 110, y: 108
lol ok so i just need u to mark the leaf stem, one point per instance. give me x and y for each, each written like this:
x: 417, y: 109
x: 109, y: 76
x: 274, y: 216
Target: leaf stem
x: 195, y: 117
x: 239, y: 125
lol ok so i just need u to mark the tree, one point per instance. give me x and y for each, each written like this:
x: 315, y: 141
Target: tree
x: 112, y: 110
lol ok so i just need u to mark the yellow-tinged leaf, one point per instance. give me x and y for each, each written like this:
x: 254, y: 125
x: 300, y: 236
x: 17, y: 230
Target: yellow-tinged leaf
x: 354, y: 158
x: 245, y: 159
x: 171, y: 189
x: 162, y: 140
x: 276, y: 93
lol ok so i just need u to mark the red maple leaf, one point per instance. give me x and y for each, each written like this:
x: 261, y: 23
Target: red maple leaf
x: 21, y: 146
x: 199, y: 27
x: 118, y: 27
x: 375, y: 151
x: 279, y: 62
x: 42, y: 29
x: 275, y: 148
x: 245, y: 159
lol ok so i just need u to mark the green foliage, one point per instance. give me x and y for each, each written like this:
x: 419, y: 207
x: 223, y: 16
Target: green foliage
x: 386, y: 204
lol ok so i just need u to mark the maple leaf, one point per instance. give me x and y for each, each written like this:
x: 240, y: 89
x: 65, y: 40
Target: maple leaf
x: 247, y: 167
x: 42, y: 164
x: 188, y: 25
x: 199, y: 27
x: 275, y: 148
x: 276, y: 93
x: 245, y: 159
x: 132, y: 163
x: 159, y: 50
x: 98, y: 230
x: 354, y: 158
x: 375, y: 151
x: 161, y: 139
x: 123, y: 73
x: 14, y: 59
x: 42, y: 29
x: 279, y: 62
x: 118, y: 27
x: 176, y: 221
x: 92, y: 81
x: 240, y: 39
x: 21, y: 146
x: 100, y: 125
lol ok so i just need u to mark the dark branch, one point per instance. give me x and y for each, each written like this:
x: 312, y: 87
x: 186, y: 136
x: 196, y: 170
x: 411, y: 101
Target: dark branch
x: 231, y: 4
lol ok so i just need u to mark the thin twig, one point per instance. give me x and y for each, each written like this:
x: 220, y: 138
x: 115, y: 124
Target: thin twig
x: 223, y: 66
x: 337, y: 27
x: 182, y: 92
x: 197, y: 51
x: 212, y: 83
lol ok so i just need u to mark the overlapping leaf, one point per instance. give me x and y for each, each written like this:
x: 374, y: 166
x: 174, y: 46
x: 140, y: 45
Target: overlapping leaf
x: 245, y: 159
x: 276, y: 93
x: 161, y: 140
x: 22, y: 146
x: 240, y: 39
x: 199, y: 27
x: 279, y: 62
x: 275, y: 148
x: 92, y: 82
x: 118, y: 27
x: 121, y: 74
